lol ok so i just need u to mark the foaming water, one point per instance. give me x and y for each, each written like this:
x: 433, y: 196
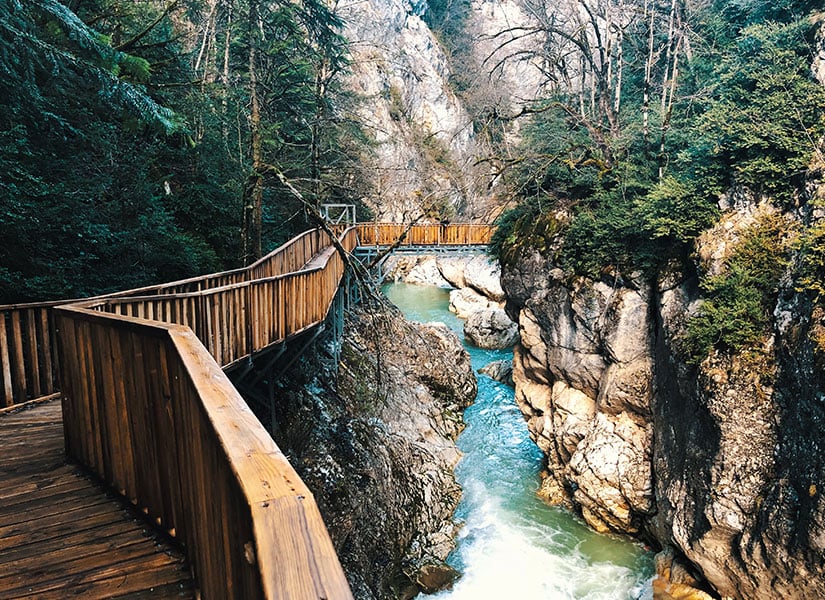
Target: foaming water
x: 511, y: 544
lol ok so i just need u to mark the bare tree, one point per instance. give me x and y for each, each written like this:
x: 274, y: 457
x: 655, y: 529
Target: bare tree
x: 582, y: 49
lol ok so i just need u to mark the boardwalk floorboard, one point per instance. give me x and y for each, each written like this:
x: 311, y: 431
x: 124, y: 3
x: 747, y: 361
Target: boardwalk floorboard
x: 62, y: 535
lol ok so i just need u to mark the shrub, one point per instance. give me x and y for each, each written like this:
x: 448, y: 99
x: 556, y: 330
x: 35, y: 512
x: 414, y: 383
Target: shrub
x: 736, y: 312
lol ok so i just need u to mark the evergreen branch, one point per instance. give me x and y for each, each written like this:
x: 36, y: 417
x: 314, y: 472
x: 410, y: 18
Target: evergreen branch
x: 130, y: 43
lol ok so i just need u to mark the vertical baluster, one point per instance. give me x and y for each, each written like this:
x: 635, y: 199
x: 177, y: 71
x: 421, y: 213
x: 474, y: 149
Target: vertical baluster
x: 5, y: 363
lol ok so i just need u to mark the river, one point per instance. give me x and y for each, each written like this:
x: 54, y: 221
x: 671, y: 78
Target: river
x: 512, y: 545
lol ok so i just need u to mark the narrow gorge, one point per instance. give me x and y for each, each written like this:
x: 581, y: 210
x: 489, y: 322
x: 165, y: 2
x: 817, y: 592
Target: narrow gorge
x: 657, y: 417
x: 720, y: 461
x: 653, y: 175
x: 707, y: 448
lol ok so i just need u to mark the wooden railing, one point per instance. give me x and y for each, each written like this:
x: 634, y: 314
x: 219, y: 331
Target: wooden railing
x: 453, y: 234
x: 28, y: 362
x: 209, y: 304
x: 147, y: 408
x: 238, y: 320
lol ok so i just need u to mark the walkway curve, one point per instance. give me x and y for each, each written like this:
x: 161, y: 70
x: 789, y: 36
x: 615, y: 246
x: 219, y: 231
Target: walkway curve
x: 148, y: 407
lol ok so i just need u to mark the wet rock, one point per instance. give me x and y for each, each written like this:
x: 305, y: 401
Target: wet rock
x: 375, y: 442
x: 434, y: 577
x: 500, y: 370
x: 674, y: 581
x: 491, y: 328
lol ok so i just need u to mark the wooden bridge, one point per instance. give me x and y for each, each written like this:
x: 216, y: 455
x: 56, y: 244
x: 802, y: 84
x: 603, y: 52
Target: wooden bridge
x: 132, y: 386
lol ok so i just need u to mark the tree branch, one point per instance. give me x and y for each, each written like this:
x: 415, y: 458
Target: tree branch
x: 128, y: 44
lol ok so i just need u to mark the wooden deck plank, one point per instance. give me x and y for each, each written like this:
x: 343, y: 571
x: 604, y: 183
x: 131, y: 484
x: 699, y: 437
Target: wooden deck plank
x: 62, y: 535
x: 68, y: 542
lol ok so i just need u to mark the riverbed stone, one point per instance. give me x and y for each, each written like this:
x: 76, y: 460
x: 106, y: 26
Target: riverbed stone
x: 426, y: 272
x: 491, y: 328
x: 464, y: 302
x: 452, y: 269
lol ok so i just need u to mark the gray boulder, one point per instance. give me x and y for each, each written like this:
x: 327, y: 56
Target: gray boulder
x: 491, y: 328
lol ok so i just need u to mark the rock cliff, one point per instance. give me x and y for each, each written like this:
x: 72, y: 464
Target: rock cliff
x: 375, y: 443
x: 425, y: 147
x: 722, y: 460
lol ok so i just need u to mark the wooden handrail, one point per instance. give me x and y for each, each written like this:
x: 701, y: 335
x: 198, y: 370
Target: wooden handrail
x: 424, y: 234
x: 148, y: 408
x: 28, y: 362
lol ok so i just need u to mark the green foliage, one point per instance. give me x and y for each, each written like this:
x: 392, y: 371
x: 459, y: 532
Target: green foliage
x: 750, y: 116
x: 623, y: 219
x: 736, y: 311
x: 747, y: 12
x: 673, y: 211
x: 766, y: 116
x: 731, y: 318
x: 811, y: 249
x: 603, y: 240
x: 121, y: 164
x: 448, y: 19
x: 75, y: 141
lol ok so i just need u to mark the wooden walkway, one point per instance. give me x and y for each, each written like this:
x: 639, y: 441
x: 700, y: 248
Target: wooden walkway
x: 147, y: 408
x: 62, y: 534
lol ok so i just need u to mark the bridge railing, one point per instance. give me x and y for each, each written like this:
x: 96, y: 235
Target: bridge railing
x: 424, y: 234
x: 28, y: 360
x: 147, y: 406
x: 27, y: 355
x: 236, y: 321
x: 148, y: 409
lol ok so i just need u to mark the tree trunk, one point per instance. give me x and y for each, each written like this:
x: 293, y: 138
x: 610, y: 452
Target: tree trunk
x: 649, y: 12
x: 320, y: 94
x: 254, y: 191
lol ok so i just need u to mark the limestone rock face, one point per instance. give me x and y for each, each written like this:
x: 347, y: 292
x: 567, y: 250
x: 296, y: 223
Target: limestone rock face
x: 424, y: 145
x: 400, y: 72
x: 610, y: 468
x: 497, y: 26
x: 723, y: 461
x: 583, y: 375
x: 491, y: 328
x: 376, y: 447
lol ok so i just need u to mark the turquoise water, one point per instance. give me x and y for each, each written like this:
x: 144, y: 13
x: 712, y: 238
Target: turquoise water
x: 511, y: 545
